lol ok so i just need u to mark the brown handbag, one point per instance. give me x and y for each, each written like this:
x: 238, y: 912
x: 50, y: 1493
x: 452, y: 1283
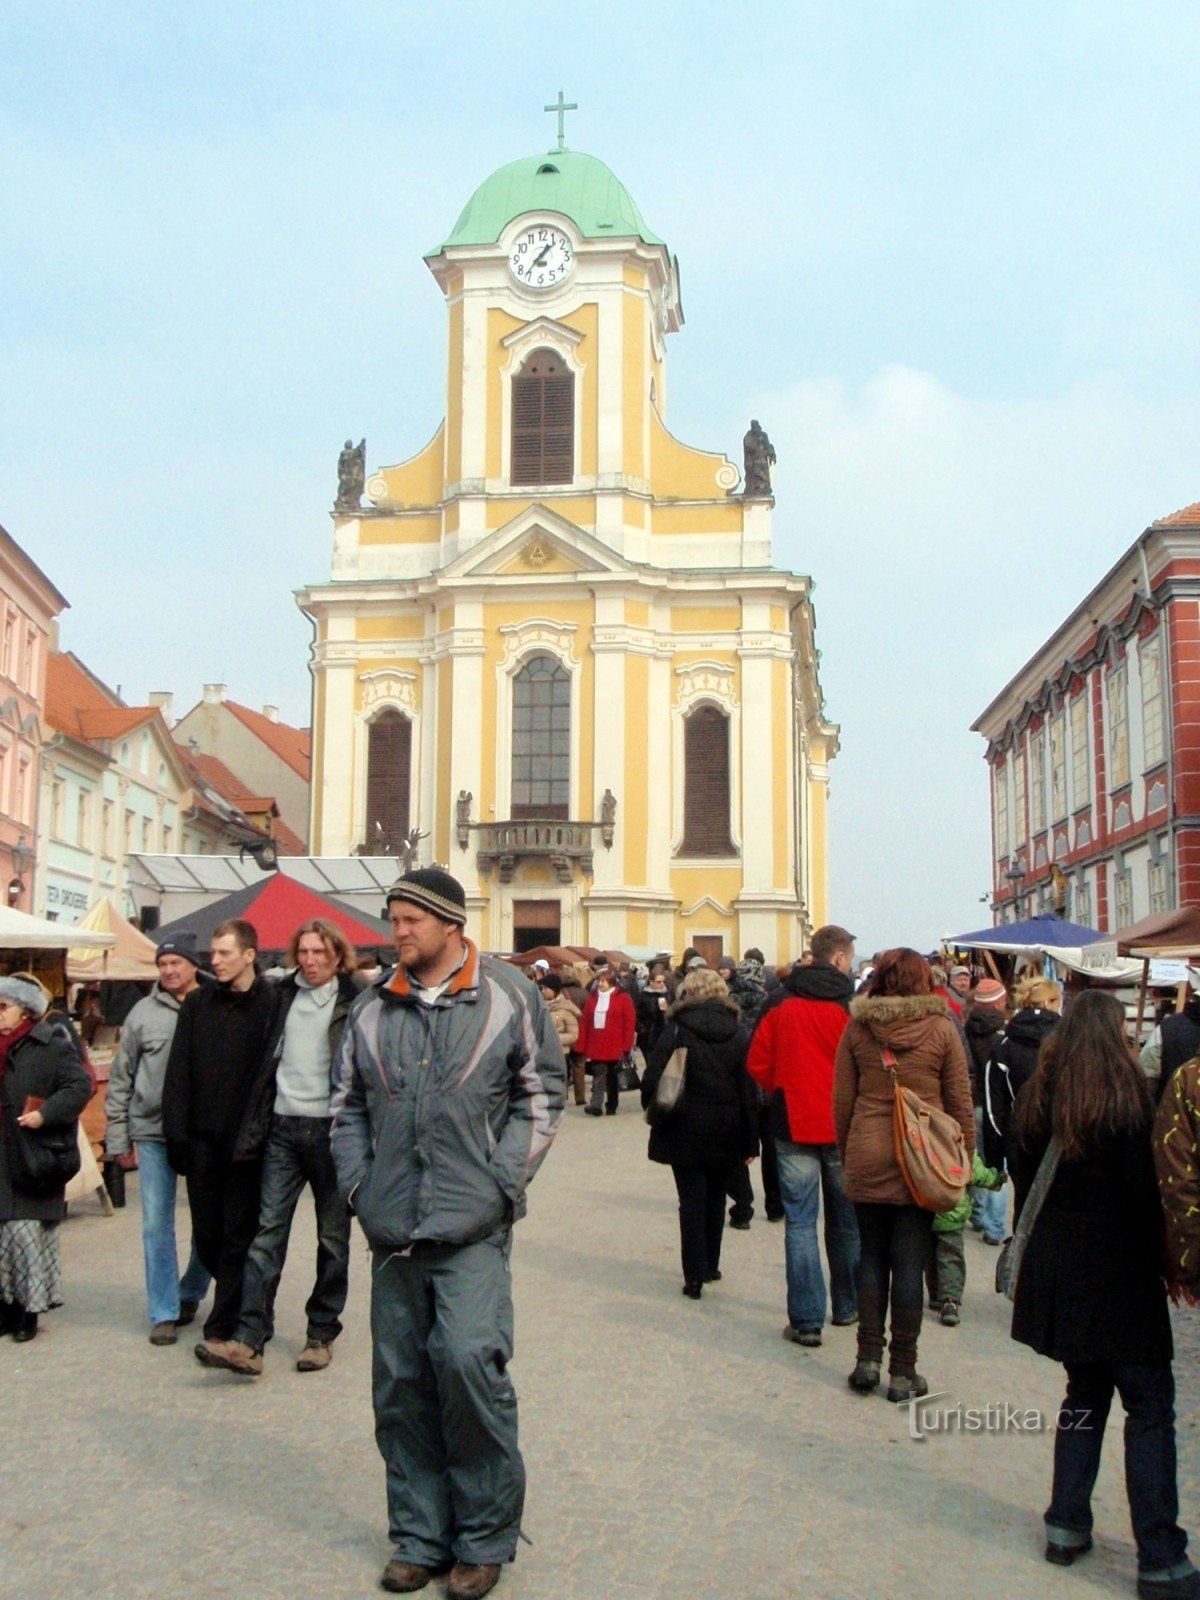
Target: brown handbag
x: 930, y: 1149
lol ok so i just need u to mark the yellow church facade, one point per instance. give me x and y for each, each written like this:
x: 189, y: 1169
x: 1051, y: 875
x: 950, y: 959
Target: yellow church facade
x: 553, y: 641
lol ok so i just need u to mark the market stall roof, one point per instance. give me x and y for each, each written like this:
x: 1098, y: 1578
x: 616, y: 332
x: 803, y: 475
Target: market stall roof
x: 1167, y: 934
x: 20, y: 931
x: 1026, y: 938
x: 277, y: 906
x: 560, y: 955
x: 131, y: 958
x: 338, y: 875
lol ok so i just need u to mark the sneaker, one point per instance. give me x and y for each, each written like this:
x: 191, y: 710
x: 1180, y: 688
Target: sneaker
x: 865, y: 1377
x: 902, y: 1388
x: 164, y: 1333
x: 240, y: 1358
x: 1065, y: 1555
x: 950, y: 1315
x: 212, y: 1352
x: 316, y: 1356
x: 809, y: 1337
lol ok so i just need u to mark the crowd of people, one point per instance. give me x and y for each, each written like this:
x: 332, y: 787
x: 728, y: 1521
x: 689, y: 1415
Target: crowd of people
x: 421, y: 1099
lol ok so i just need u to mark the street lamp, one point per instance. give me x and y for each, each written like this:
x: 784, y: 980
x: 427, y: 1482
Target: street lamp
x: 1015, y: 876
x: 22, y: 858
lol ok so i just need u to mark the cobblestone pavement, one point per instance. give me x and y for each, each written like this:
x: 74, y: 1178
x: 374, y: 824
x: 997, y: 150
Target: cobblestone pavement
x: 674, y: 1448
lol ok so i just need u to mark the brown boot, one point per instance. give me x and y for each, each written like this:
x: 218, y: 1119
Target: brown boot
x: 212, y: 1352
x: 579, y: 1080
x: 469, y: 1582
x: 403, y: 1577
x: 240, y: 1358
x: 315, y: 1356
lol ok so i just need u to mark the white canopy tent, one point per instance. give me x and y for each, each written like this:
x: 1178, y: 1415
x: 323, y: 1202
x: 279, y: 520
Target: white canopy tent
x: 20, y: 931
x: 179, y: 885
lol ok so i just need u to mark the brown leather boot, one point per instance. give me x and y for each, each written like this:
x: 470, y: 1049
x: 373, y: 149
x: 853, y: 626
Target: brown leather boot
x: 470, y: 1582
x: 404, y: 1577
x: 579, y: 1080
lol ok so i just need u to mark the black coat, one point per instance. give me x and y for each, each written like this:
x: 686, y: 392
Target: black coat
x: 983, y: 1029
x: 1091, y: 1285
x: 1180, y: 1036
x: 651, y: 1019
x: 43, y: 1063
x: 1010, y: 1067
x: 216, y: 1054
x: 255, y: 1129
x: 717, y: 1125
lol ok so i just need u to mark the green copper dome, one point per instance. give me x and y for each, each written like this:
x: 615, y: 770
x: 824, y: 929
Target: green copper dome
x: 577, y: 186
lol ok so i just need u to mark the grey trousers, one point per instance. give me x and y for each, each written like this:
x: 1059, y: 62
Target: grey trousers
x: 445, y: 1407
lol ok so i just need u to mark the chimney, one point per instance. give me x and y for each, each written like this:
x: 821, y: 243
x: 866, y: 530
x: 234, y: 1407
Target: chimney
x: 214, y: 694
x: 52, y: 636
x: 271, y: 713
x: 165, y: 701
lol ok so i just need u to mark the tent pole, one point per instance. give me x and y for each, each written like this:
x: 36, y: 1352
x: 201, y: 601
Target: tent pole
x: 1141, y: 1016
x: 1181, y: 994
x: 995, y: 970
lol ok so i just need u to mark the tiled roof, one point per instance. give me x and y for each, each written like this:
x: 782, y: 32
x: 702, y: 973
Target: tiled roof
x: 293, y: 745
x: 218, y: 775
x: 287, y: 843
x: 70, y: 689
x: 113, y: 721
x: 1189, y: 517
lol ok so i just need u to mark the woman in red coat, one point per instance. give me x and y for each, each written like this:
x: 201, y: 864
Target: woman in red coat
x: 606, y: 1034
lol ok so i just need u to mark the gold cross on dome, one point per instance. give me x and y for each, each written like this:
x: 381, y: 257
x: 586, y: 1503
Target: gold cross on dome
x: 562, y: 107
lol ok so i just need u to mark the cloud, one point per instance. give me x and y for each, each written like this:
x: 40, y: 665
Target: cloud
x: 948, y: 536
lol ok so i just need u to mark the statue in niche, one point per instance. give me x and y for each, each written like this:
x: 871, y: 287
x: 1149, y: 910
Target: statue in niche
x: 608, y: 817
x: 462, y: 817
x: 758, y: 456
x: 352, y: 476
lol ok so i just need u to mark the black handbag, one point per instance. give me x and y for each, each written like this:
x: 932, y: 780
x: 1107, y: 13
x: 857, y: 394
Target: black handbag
x: 627, y: 1074
x: 41, y: 1160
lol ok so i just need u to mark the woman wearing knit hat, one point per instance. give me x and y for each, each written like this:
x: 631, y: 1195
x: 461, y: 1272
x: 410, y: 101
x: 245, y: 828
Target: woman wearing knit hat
x: 43, y: 1089
x: 984, y: 1029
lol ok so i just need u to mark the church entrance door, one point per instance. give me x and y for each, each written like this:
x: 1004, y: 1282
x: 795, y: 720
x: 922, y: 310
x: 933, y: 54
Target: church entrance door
x: 536, y: 922
x: 710, y: 946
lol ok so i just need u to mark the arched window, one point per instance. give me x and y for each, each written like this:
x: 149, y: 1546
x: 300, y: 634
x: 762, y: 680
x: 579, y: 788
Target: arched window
x: 706, y: 793
x: 543, y: 421
x: 389, y: 780
x: 541, y: 753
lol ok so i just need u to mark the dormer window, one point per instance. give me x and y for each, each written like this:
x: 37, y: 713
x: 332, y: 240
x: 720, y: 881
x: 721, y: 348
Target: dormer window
x: 543, y: 421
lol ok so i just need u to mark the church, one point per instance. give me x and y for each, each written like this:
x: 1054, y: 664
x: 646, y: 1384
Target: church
x: 553, y: 642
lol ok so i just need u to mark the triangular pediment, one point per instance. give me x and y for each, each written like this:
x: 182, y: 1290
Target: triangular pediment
x: 537, y: 541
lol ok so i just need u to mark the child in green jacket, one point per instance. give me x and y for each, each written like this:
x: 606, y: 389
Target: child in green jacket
x: 946, y: 1268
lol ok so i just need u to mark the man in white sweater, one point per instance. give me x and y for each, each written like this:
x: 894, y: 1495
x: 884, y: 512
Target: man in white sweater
x: 288, y: 1121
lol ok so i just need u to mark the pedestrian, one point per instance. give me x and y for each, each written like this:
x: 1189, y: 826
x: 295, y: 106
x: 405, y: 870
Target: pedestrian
x: 134, y: 1138
x: 286, y: 1126
x: 715, y: 1126
x: 1011, y: 1064
x: 450, y: 1092
x: 652, y: 1006
x: 1177, y: 1159
x: 606, y: 1033
x: 563, y: 1013
x: 946, y: 1268
x: 1090, y: 1293
x: 42, y: 1086
x: 216, y: 1054
x: 984, y: 1029
x: 1175, y: 1040
x: 792, y: 1058
x: 899, y: 1014
x: 574, y: 985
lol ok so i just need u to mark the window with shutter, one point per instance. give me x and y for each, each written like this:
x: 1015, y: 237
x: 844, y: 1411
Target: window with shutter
x: 541, y: 752
x: 543, y: 421
x: 706, y: 791
x: 389, y: 769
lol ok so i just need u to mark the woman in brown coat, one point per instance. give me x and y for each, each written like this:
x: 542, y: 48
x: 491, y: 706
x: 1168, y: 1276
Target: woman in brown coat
x: 899, y: 1013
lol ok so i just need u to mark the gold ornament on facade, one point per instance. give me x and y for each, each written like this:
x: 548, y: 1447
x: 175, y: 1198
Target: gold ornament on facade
x: 535, y: 553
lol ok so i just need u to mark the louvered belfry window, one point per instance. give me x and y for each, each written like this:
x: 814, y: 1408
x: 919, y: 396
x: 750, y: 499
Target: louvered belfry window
x: 543, y: 421
x: 706, y: 794
x: 541, y: 751
x: 389, y: 769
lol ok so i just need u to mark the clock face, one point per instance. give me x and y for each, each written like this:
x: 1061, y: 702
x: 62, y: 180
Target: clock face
x: 540, y: 257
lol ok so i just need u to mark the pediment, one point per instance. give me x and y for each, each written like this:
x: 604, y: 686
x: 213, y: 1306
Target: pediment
x: 537, y: 541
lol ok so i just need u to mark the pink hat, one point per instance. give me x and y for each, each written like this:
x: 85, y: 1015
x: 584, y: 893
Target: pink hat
x: 990, y: 993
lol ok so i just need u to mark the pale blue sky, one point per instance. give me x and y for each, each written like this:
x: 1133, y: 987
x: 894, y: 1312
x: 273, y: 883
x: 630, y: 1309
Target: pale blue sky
x: 945, y: 252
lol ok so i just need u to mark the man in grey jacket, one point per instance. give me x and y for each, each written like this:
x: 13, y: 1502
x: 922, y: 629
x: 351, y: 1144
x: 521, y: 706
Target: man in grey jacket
x: 134, y: 1109
x: 451, y: 1088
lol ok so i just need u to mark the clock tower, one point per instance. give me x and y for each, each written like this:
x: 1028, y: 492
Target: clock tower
x: 554, y: 639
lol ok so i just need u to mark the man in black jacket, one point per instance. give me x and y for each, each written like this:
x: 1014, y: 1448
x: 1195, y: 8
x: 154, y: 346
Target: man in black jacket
x: 215, y: 1057
x: 287, y: 1124
x: 1174, y: 1041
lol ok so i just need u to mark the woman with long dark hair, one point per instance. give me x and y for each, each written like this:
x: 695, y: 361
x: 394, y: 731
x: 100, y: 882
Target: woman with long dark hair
x: 899, y: 1014
x: 1090, y: 1291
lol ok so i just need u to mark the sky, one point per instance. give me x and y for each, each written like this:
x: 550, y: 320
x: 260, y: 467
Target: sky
x: 944, y: 252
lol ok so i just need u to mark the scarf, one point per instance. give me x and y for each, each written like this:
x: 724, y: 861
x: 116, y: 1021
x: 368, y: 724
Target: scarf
x: 603, y: 999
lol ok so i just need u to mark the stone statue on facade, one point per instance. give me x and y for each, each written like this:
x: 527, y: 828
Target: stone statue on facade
x: 758, y: 456
x: 352, y: 476
x: 462, y: 818
x: 608, y: 817
x: 408, y: 850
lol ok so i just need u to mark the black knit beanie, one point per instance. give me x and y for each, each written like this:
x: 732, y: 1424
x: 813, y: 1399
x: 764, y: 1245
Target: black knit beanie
x: 433, y: 890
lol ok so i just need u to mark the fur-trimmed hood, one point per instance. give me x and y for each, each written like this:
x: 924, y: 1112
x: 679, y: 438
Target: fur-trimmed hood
x: 898, y: 1020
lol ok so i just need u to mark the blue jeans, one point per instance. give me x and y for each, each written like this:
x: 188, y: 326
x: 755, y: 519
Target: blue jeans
x: 1148, y: 1395
x: 806, y: 1172
x: 989, y: 1208
x: 298, y: 1153
x: 163, y: 1287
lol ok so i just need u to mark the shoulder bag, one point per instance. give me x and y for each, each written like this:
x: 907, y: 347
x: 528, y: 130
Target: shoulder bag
x: 930, y: 1149
x: 668, y: 1091
x: 41, y: 1160
x: 1008, y: 1265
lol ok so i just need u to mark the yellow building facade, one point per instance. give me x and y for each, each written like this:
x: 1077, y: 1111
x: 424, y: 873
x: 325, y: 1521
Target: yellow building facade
x: 553, y: 640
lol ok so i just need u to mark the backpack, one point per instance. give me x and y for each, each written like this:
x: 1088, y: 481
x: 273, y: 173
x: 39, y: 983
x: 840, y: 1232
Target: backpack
x: 930, y: 1149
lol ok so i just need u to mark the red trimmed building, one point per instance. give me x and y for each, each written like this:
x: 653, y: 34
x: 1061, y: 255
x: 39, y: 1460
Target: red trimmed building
x: 1094, y: 747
